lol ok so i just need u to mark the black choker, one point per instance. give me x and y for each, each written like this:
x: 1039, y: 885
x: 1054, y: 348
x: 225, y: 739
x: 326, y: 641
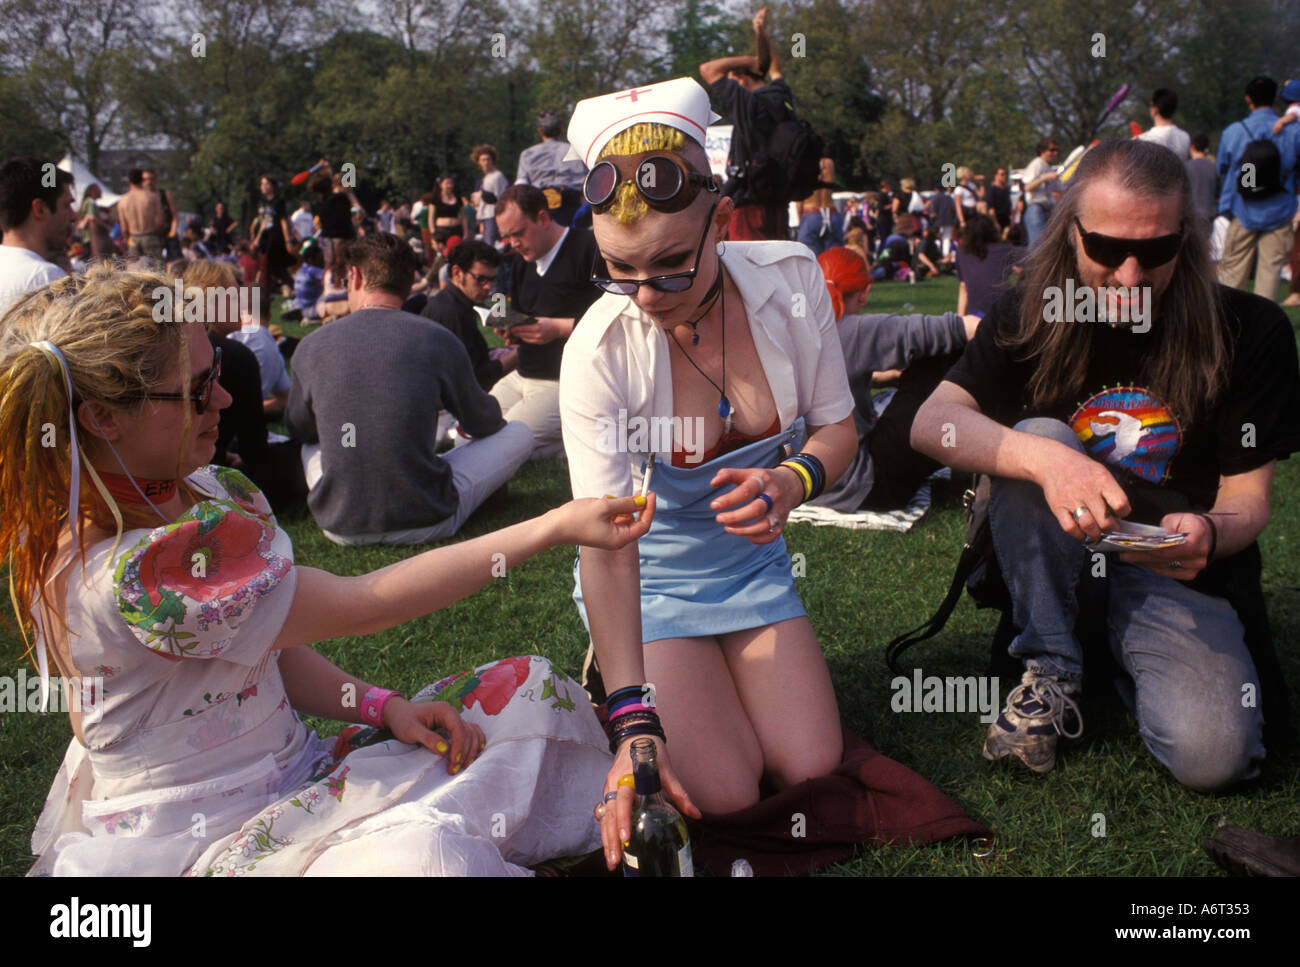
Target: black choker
x: 709, y: 297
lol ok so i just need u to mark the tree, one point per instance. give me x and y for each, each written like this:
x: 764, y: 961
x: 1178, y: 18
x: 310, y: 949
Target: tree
x: 821, y: 47
x: 583, y: 48
x: 70, y: 56
x: 699, y: 31
x: 1072, y: 58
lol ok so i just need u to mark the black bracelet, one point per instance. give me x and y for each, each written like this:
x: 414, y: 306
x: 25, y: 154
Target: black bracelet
x: 626, y: 692
x: 633, y: 731
x: 1214, y: 536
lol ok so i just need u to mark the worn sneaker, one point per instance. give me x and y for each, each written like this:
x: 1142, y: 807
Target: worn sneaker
x: 1039, y: 710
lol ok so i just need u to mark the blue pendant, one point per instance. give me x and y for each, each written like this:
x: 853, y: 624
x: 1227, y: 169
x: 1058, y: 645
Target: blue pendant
x: 724, y: 407
x: 695, y: 339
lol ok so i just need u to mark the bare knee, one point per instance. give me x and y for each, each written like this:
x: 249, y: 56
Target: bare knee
x: 721, y: 795
x: 808, y: 763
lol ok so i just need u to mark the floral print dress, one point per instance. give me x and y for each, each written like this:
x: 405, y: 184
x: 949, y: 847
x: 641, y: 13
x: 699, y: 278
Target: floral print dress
x: 195, y: 763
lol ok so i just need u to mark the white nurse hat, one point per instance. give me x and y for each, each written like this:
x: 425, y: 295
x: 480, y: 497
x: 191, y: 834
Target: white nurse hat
x: 680, y: 103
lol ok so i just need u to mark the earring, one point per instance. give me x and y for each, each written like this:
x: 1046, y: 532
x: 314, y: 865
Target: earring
x: 721, y: 248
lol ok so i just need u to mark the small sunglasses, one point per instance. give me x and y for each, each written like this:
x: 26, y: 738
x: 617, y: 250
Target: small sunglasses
x: 677, y: 282
x: 663, y: 181
x: 200, y: 395
x: 1112, y: 252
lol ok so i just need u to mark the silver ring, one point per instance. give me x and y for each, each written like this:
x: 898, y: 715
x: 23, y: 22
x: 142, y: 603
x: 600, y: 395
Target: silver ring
x: 612, y: 794
x: 766, y: 500
x: 1175, y: 565
x: 773, y: 523
x: 1079, y: 512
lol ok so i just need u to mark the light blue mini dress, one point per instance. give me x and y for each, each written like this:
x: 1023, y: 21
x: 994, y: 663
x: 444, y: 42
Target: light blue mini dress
x: 696, y: 579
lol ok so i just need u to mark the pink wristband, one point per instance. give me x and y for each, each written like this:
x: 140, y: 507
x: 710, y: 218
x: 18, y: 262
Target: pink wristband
x: 636, y: 707
x: 372, y: 706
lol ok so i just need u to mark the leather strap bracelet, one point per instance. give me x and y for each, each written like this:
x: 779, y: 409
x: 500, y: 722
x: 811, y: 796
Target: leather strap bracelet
x: 1214, y: 536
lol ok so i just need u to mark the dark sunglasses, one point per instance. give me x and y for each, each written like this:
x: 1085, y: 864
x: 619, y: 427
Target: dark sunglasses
x: 677, y: 282
x: 482, y: 279
x: 1113, y: 252
x: 662, y: 180
x: 200, y: 395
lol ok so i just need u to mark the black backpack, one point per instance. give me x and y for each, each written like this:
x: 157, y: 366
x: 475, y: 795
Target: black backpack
x: 1265, y: 169
x: 788, y: 168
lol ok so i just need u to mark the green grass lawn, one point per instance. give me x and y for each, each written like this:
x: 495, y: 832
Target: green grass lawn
x: 861, y: 588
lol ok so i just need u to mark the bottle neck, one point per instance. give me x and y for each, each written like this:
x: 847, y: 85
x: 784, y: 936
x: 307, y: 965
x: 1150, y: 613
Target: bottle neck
x: 647, y: 782
x: 645, y: 767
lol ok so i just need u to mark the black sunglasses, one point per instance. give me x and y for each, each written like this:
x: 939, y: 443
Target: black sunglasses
x: 1113, y: 252
x: 677, y: 282
x: 200, y: 395
x: 662, y: 180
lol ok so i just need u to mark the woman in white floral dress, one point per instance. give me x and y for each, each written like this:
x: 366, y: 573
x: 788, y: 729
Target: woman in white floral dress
x: 178, y: 607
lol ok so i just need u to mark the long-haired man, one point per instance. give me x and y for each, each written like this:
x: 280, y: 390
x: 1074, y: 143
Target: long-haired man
x: 1139, y: 391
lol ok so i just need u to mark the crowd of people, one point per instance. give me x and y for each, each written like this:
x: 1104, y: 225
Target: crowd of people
x: 629, y: 287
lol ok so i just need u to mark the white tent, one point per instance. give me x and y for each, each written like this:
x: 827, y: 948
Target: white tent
x: 84, y: 179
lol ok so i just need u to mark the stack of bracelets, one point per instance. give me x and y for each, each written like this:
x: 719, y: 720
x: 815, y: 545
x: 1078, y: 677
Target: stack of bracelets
x: 810, y: 472
x: 630, y: 714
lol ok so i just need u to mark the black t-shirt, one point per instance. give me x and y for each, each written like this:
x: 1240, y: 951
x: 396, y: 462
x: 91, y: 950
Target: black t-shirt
x: 754, y: 117
x: 242, y: 427
x: 564, y: 292
x: 452, y: 308
x: 441, y: 209
x: 271, y: 211
x: 1164, y: 463
x: 221, y: 229
x: 999, y: 199
x: 885, y: 216
x: 335, y: 214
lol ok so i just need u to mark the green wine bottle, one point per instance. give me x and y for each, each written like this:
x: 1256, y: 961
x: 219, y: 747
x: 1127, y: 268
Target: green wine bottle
x: 659, y: 845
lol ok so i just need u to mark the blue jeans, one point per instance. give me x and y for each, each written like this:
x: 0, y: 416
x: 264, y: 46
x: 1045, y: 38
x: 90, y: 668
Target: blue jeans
x: 1036, y: 216
x: 1183, y: 650
x: 810, y: 232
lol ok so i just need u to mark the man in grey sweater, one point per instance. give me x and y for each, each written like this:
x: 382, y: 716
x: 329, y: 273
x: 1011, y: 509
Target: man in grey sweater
x: 365, y: 400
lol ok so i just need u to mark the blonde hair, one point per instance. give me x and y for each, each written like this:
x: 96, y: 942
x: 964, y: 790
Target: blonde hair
x: 628, y: 206
x: 103, y: 324
x: 216, y: 280
x: 205, y: 273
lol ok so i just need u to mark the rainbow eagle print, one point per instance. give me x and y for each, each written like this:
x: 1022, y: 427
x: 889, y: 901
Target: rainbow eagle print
x: 1129, y: 427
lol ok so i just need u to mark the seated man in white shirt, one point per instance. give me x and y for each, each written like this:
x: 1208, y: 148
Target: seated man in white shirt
x: 35, y: 218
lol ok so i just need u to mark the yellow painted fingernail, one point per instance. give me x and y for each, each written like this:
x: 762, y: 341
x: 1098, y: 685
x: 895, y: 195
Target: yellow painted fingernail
x: 626, y: 780
x: 639, y: 500
x: 442, y: 748
x: 609, y: 496
x: 454, y: 769
x: 456, y: 759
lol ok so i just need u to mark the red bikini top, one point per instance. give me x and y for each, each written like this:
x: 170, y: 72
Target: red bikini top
x: 729, y: 441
